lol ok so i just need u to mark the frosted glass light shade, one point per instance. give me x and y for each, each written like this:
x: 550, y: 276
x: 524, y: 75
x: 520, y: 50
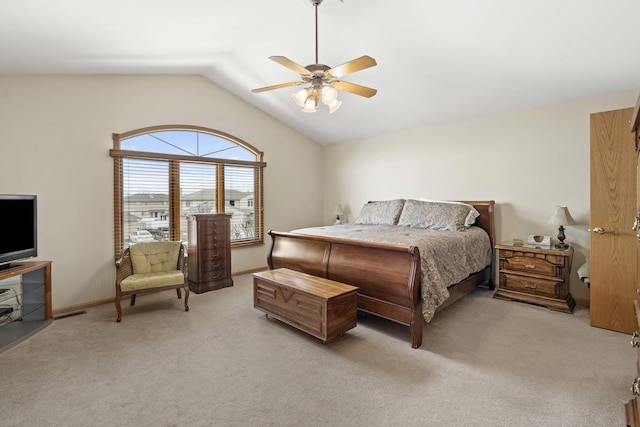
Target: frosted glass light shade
x: 329, y: 95
x: 334, y: 105
x: 300, y: 97
x: 310, y: 104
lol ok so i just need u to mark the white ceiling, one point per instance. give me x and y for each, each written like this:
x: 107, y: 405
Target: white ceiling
x: 438, y: 60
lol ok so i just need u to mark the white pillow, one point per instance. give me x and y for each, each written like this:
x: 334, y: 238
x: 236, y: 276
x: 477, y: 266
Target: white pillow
x: 471, y: 217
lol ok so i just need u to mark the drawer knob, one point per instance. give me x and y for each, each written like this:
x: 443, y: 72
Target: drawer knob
x: 599, y: 230
x: 635, y: 387
x: 530, y: 286
x: 634, y: 340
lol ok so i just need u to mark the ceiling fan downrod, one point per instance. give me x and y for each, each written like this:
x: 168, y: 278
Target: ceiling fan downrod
x: 316, y: 3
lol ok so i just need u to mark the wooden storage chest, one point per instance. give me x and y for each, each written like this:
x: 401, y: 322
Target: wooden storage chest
x: 320, y: 307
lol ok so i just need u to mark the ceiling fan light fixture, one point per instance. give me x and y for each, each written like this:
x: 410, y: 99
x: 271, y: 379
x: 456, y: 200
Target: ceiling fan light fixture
x: 300, y: 97
x: 311, y: 103
x: 329, y: 95
x: 330, y: 98
x: 334, y: 105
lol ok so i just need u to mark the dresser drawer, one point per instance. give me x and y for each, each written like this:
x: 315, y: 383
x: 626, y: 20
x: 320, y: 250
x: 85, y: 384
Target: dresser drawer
x: 631, y: 413
x: 635, y: 338
x: 214, y: 229
x: 213, y: 254
x: 213, y: 242
x: 530, y: 285
x: 548, y: 265
x: 213, y: 276
x: 213, y: 264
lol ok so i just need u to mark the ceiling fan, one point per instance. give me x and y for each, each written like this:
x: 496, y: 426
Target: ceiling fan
x: 323, y: 80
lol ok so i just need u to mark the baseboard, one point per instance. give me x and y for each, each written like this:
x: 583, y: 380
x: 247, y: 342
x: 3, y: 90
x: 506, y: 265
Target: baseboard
x: 80, y: 307
x: 253, y: 270
x: 582, y: 301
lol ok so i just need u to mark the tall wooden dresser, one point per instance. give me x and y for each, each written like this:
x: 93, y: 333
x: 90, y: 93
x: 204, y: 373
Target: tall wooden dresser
x: 209, y: 252
x: 632, y: 409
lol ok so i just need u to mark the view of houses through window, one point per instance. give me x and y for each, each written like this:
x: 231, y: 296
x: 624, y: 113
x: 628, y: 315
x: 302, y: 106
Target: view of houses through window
x: 163, y: 175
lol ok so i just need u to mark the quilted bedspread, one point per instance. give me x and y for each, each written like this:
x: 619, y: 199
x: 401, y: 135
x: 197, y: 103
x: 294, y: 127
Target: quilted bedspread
x: 447, y: 257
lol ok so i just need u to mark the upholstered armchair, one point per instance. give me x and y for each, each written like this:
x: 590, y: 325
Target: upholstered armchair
x: 151, y: 267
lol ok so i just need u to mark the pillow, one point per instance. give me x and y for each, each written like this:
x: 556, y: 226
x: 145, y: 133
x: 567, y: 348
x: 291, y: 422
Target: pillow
x: 471, y: 217
x: 380, y: 213
x: 434, y: 215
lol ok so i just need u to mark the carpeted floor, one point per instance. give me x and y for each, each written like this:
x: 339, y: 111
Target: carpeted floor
x: 484, y: 362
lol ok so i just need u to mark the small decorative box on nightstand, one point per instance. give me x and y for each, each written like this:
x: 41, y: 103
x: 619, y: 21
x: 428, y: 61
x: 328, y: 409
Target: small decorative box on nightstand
x: 535, y: 275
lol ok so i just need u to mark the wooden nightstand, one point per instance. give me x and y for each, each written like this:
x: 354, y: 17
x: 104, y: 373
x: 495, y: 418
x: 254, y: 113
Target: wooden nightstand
x: 535, y: 275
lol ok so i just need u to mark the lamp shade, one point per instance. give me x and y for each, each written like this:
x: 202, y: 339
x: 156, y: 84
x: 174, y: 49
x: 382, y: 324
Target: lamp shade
x: 561, y: 216
x: 337, y: 210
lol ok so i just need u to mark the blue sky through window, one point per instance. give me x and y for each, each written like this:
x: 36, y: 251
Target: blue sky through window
x: 188, y: 143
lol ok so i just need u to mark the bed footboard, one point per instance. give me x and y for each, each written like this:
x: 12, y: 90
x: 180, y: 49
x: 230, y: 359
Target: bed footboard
x: 388, y: 276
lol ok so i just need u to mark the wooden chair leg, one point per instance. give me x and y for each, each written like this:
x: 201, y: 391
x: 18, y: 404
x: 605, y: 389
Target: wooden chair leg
x: 133, y: 299
x: 179, y: 293
x: 118, y: 308
x: 186, y: 299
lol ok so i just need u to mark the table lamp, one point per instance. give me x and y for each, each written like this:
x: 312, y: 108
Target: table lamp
x: 337, y: 211
x: 561, y: 217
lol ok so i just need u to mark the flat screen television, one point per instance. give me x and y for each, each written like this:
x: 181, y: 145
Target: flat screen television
x: 19, y: 239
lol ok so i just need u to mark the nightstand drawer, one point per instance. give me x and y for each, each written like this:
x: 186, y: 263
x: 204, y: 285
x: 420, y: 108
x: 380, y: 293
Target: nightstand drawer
x: 530, y: 285
x: 547, y: 265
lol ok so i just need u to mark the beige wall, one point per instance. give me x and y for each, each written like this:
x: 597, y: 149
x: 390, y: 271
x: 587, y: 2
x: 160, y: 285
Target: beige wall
x: 55, y: 134
x: 527, y: 161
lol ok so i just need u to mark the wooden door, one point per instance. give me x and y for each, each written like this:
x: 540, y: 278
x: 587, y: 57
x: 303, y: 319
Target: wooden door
x: 613, y: 208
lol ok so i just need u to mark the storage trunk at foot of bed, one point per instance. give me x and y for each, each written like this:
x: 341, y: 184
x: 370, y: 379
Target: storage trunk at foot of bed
x: 388, y: 276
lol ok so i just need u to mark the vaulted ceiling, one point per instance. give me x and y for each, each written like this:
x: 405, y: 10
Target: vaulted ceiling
x: 438, y: 61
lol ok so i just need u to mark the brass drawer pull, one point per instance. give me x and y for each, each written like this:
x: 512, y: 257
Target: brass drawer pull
x: 529, y: 266
x: 635, y: 387
x: 634, y: 340
x: 530, y: 286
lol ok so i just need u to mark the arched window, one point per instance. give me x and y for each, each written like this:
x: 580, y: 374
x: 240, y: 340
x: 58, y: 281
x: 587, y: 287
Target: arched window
x: 162, y: 174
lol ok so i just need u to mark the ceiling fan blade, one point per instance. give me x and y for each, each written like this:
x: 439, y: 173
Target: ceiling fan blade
x: 282, y: 60
x: 354, y: 88
x: 352, y: 66
x: 266, y: 88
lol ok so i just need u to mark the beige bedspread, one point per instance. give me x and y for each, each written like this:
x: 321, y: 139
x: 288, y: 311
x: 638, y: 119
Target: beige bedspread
x: 447, y: 257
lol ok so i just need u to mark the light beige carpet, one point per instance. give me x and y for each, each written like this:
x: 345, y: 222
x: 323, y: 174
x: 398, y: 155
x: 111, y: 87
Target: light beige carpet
x: 484, y: 362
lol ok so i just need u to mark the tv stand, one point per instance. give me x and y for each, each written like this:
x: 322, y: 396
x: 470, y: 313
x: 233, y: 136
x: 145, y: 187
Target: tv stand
x: 35, y: 302
x: 9, y: 266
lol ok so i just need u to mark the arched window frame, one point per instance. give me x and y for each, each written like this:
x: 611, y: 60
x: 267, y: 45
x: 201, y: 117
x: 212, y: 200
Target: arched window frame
x: 174, y: 161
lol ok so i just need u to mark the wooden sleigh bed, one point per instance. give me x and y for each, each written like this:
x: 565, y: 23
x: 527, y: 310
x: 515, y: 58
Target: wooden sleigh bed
x: 388, y: 276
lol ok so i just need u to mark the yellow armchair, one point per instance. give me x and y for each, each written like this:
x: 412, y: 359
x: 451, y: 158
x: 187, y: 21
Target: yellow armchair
x: 151, y: 267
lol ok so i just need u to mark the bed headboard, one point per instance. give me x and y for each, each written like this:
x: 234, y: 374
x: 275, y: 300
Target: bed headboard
x: 485, y: 220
